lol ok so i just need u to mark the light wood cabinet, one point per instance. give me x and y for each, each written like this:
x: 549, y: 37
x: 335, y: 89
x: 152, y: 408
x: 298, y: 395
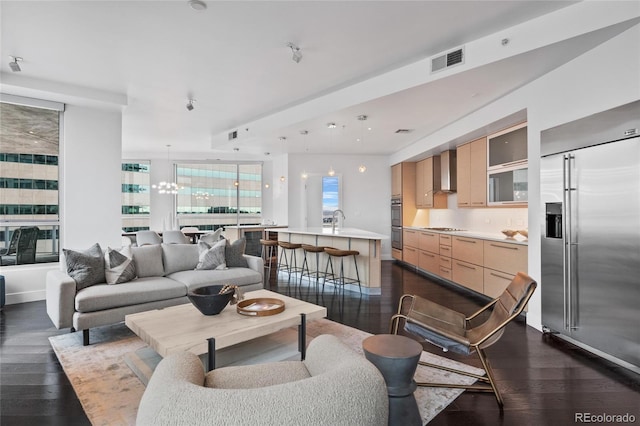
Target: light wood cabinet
x: 495, y: 282
x: 410, y: 255
x: 396, y: 253
x: 427, y: 180
x: 472, y: 173
x: 429, y: 241
x: 396, y: 181
x: 410, y: 238
x: 468, y: 275
x: 468, y: 250
x: 505, y: 257
x: 429, y: 262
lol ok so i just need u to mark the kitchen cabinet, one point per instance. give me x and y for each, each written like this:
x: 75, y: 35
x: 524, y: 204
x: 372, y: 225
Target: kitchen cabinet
x: 444, y: 242
x: 403, y: 187
x: 429, y: 241
x: 467, y: 249
x: 468, y: 275
x: 410, y: 247
x: 427, y: 181
x: 429, y: 262
x: 501, y: 263
x: 396, y: 181
x: 472, y: 173
x: 508, y: 167
x: 429, y: 245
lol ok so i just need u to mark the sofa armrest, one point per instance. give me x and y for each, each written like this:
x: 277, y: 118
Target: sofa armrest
x: 256, y: 263
x: 60, y: 294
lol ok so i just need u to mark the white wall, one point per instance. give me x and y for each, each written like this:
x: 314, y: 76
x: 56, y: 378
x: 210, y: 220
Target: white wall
x: 365, y: 198
x: 89, y: 197
x: 603, y: 78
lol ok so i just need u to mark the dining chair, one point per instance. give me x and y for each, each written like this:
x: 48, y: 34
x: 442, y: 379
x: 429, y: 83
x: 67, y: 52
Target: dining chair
x: 175, y: 237
x: 144, y: 238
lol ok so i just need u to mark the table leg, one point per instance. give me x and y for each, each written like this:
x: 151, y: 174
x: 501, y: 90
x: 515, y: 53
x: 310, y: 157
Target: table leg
x: 211, y: 355
x: 302, y: 336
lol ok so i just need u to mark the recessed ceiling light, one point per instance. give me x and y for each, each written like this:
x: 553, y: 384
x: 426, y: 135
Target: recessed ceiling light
x: 197, y: 5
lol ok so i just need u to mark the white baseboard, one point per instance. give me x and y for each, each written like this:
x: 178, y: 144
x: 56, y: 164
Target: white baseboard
x: 25, y: 296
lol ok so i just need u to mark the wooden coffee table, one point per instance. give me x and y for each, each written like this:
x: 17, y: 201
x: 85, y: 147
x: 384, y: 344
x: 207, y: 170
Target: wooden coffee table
x: 184, y: 328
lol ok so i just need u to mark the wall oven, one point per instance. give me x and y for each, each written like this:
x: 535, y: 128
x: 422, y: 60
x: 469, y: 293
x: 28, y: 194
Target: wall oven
x: 396, y: 223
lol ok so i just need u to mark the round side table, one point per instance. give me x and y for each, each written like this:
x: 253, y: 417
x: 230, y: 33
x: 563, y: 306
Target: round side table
x: 397, y: 359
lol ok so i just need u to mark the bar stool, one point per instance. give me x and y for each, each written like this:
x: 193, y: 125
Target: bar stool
x: 269, y: 251
x: 305, y: 264
x: 341, y: 279
x: 288, y: 262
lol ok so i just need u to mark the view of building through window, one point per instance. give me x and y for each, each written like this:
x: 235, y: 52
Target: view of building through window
x: 330, y: 198
x: 136, y: 196
x: 29, y: 207
x: 214, y: 195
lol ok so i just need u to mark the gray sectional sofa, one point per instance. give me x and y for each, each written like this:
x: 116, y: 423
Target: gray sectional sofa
x: 165, y: 272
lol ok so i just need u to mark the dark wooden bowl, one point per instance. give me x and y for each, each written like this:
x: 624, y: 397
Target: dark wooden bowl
x: 208, y: 299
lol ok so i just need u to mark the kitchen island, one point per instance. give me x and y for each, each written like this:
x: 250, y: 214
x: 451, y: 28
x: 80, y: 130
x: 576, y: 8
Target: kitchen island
x: 252, y: 234
x: 365, y: 242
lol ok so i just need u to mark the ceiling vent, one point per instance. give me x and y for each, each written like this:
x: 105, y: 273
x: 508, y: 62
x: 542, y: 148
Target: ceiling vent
x: 402, y: 131
x: 233, y: 135
x: 447, y: 60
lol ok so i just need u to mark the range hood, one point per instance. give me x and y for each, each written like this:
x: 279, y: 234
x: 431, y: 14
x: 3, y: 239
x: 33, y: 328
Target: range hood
x: 448, y: 172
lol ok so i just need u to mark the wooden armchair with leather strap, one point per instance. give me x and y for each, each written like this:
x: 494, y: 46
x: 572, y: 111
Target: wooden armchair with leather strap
x: 452, y: 331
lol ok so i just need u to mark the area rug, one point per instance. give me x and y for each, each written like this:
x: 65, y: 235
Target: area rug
x: 110, y: 392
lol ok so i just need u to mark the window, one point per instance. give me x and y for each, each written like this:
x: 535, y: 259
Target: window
x: 136, y: 196
x: 214, y: 195
x: 330, y: 198
x: 30, y: 132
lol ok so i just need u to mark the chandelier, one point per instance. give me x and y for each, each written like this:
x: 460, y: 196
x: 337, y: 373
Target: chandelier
x: 168, y: 186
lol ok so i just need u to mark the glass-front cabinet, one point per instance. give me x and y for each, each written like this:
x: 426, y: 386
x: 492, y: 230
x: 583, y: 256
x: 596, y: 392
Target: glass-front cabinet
x: 508, y: 166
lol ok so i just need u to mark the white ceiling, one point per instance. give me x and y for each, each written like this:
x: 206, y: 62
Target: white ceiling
x: 232, y: 58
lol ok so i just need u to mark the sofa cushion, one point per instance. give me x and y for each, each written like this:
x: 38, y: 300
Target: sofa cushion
x: 118, y: 265
x: 85, y: 267
x: 143, y: 290
x: 234, y: 254
x: 179, y: 257
x: 211, y: 256
x: 233, y: 276
x: 148, y: 260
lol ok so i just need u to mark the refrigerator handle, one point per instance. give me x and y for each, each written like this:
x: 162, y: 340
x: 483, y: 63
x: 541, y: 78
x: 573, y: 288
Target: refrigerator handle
x: 565, y: 246
x: 568, y: 237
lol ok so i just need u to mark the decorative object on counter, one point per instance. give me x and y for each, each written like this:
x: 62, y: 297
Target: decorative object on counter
x: 212, y: 299
x: 524, y: 233
x: 510, y: 233
x: 260, y: 307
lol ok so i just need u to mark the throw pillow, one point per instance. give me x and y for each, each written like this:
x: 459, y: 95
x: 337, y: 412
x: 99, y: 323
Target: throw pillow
x: 212, y: 257
x: 234, y: 253
x: 148, y: 261
x: 211, y: 237
x: 85, y: 267
x: 118, y: 265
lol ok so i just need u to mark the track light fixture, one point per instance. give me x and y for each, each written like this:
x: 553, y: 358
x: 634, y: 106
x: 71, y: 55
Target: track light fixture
x: 297, y: 53
x: 190, y: 104
x: 14, y: 65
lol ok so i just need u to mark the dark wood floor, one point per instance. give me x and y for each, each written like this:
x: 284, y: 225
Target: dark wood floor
x: 544, y: 380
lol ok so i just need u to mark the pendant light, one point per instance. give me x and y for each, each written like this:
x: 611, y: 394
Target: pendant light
x: 362, y: 118
x: 331, y: 126
x: 168, y: 186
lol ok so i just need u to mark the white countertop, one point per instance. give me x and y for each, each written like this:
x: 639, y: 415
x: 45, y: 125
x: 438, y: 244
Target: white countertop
x: 340, y: 232
x: 492, y: 236
x: 254, y: 226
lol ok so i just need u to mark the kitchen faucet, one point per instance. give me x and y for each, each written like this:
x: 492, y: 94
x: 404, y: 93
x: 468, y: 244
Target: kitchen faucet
x: 334, y: 219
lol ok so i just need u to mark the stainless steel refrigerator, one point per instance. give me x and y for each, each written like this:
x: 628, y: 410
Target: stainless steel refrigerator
x: 590, y: 191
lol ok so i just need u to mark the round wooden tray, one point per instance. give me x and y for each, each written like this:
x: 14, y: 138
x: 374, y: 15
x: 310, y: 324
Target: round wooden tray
x: 260, y: 307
